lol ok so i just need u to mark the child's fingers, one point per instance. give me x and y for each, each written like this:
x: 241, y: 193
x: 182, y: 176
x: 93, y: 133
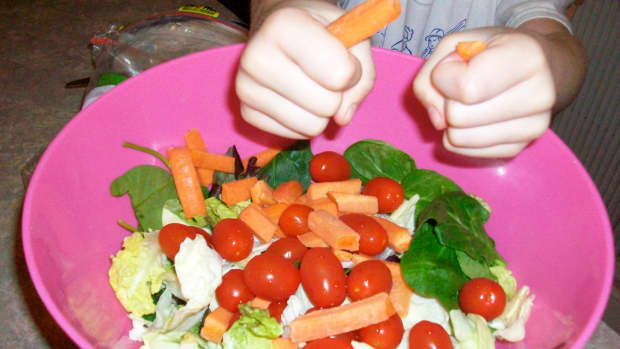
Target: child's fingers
x: 496, y: 151
x: 520, y: 130
x: 513, y: 103
x: 493, y: 71
x: 267, y: 124
x: 354, y: 96
x: 282, y: 110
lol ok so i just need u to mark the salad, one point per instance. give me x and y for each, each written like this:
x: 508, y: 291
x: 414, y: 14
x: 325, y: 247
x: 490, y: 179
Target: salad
x: 289, y: 249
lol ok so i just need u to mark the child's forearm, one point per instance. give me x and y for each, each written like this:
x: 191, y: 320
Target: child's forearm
x: 566, y: 56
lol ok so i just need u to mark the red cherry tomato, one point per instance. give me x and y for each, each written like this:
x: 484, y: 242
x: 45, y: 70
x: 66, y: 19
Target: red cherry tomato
x: 373, y: 238
x: 323, y: 278
x: 233, y: 291
x: 384, y: 335
x: 235, y: 317
x: 429, y: 335
x: 172, y: 235
x: 232, y: 239
x: 294, y: 219
x: 288, y: 247
x: 329, y: 166
x: 484, y: 297
x: 276, y: 308
x: 271, y: 277
x: 329, y: 343
x: 388, y: 191
x: 367, y: 279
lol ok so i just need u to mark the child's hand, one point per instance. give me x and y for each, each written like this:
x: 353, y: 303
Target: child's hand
x: 496, y: 104
x: 294, y: 75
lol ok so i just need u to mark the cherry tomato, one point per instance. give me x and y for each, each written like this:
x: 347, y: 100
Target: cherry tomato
x: 373, y: 238
x: 276, y: 308
x: 235, y: 317
x: 233, y: 291
x: 484, y: 297
x: 388, y: 191
x: 172, y: 235
x: 294, y: 219
x: 429, y: 335
x: 271, y: 277
x: 329, y: 166
x: 288, y: 247
x: 384, y: 335
x: 232, y: 239
x: 329, y: 343
x: 323, y: 278
x: 367, y: 279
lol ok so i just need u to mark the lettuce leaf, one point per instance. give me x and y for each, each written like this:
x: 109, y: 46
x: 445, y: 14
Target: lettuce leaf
x: 254, y: 329
x: 372, y: 158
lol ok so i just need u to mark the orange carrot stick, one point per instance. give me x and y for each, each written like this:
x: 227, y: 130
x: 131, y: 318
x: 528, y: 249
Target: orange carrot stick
x: 282, y: 343
x: 399, y: 238
x: 194, y: 141
x: 186, y: 182
x: 275, y: 211
x: 324, y: 204
x: 262, y: 193
x: 355, y: 203
x: 262, y: 157
x: 468, y: 49
x: 311, y: 240
x: 258, y: 221
x: 237, y: 191
x: 349, y: 317
x: 333, y: 231
x: 215, y: 324
x: 288, y: 192
x: 364, y: 20
x: 320, y: 190
x: 218, y: 162
x: 260, y: 303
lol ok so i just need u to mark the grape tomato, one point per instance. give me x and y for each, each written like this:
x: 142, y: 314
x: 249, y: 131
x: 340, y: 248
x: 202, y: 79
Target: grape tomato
x: 484, y: 297
x: 172, y: 235
x: 271, y: 277
x: 373, y: 238
x: 385, y: 335
x: 232, y: 239
x: 288, y: 247
x: 429, y: 335
x: 367, y: 279
x: 323, y: 278
x: 389, y: 193
x: 233, y: 291
x: 329, y: 166
x: 294, y: 219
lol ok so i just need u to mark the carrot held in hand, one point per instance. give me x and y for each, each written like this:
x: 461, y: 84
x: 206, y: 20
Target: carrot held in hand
x: 186, y: 182
x: 468, y: 49
x: 363, y: 21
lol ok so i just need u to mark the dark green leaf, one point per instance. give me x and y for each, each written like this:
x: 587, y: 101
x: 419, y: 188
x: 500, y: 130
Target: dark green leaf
x: 428, y: 185
x: 372, y: 158
x: 473, y: 268
x: 460, y: 225
x: 431, y: 269
x: 149, y: 187
x: 290, y: 164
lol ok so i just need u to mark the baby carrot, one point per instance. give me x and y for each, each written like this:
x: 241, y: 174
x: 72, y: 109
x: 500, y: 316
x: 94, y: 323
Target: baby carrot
x: 364, y: 20
x: 468, y: 49
x: 186, y: 182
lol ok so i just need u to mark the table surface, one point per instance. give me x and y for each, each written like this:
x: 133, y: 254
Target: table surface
x: 45, y: 45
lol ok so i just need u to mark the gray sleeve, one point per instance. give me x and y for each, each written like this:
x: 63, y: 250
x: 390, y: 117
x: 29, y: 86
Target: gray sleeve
x: 513, y: 13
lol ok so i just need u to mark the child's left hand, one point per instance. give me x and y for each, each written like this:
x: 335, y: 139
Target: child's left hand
x: 495, y: 104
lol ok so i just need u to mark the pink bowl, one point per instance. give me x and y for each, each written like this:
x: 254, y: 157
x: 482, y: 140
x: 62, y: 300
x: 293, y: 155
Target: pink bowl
x: 548, y: 219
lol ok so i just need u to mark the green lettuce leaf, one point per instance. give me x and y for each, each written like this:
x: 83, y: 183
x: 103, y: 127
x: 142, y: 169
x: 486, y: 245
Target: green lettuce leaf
x: 428, y: 185
x: 149, y: 187
x: 255, y: 329
x: 372, y: 158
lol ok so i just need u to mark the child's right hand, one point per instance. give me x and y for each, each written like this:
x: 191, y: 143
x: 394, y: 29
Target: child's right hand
x: 294, y: 75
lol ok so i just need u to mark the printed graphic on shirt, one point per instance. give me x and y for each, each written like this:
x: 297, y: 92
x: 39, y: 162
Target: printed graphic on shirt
x: 433, y: 38
x: 401, y: 45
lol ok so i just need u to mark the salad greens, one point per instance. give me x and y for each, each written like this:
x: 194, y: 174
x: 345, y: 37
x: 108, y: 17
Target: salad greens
x: 254, y: 329
x: 292, y: 163
x: 428, y: 185
x: 372, y: 158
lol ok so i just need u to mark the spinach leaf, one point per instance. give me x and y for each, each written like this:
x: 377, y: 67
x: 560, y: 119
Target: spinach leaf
x: 460, y: 225
x: 292, y: 163
x: 428, y: 185
x: 149, y: 187
x: 372, y: 158
x: 473, y: 268
x: 431, y: 269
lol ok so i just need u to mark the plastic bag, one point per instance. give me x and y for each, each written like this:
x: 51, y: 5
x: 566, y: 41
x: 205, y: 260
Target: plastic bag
x: 122, y: 52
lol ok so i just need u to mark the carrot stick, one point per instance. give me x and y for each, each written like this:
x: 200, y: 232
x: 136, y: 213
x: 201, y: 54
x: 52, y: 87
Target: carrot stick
x: 399, y: 238
x: 275, y: 211
x: 217, y: 162
x: 343, y: 256
x: 364, y: 20
x: 320, y: 190
x: 215, y: 324
x: 282, y: 343
x: 260, y: 303
x: 288, y: 192
x: 186, y: 182
x: 333, y: 231
x: 349, y: 317
x: 311, y: 240
x: 262, y: 193
x: 194, y: 141
x: 468, y: 49
x: 262, y: 157
x: 258, y: 221
x: 237, y: 191
x: 324, y: 204
x: 355, y: 203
